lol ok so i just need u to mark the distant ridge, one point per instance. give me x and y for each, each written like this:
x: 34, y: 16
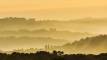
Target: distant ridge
x: 89, y: 45
x: 94, y: 45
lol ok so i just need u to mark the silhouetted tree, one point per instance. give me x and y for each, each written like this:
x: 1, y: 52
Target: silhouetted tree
x: 56, y: 55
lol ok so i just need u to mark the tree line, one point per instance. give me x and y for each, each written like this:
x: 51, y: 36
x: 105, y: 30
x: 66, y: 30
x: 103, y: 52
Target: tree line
x: 55, y: 55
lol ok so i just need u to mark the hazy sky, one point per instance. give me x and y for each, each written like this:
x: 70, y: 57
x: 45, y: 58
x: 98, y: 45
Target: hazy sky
x: 53, y: 9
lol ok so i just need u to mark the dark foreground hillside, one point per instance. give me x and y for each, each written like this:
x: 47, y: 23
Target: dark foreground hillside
x: 56, y: 55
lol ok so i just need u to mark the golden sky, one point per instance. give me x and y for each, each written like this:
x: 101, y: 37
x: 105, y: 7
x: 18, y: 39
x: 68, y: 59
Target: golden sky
x: 51, y: 8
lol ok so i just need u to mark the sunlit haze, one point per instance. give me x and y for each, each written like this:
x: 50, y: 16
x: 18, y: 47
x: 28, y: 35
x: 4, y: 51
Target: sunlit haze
x: 72, y: 26
x: 54, y: 9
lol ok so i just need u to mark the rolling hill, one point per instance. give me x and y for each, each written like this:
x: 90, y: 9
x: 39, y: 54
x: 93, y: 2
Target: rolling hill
x: 89, y: 45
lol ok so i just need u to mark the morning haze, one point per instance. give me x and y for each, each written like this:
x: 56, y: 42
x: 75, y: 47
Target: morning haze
x: 71, y: 26
x: 54, y: 9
